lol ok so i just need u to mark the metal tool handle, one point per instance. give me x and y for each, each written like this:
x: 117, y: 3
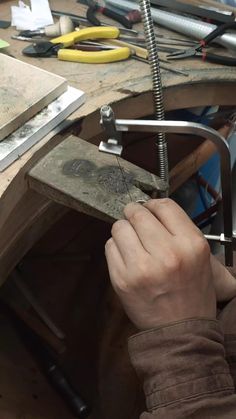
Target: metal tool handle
x: 90, y: 15
x: 219, y: 59
x: 117, y: 17
x: 87, y: 33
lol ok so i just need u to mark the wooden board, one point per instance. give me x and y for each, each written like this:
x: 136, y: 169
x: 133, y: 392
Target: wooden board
x: 77, y: 175
x: 24, y: 91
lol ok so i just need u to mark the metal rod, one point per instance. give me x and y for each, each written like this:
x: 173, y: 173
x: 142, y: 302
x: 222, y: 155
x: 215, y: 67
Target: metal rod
x: 145, y: 9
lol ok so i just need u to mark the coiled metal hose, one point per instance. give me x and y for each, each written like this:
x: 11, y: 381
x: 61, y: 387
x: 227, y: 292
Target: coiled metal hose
x: 161, y: 143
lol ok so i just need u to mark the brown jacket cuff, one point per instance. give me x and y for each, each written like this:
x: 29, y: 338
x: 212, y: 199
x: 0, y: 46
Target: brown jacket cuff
x: 181, y: 360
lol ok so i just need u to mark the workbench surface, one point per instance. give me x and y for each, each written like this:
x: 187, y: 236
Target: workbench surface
x: 25, y: 215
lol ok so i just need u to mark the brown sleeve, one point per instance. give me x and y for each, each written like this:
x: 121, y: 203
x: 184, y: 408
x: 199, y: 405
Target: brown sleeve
x: 184, y: 371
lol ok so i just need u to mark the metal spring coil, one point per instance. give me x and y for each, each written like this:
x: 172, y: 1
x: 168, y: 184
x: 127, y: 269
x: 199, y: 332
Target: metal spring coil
x: 145, y: 9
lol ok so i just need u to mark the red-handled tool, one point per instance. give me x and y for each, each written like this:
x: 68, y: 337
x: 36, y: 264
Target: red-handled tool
x: 94, y: 7
x: 200, y: 51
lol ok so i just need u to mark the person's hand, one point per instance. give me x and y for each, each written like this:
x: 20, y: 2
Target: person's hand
x: 224, y: 281
x: 160, y: 265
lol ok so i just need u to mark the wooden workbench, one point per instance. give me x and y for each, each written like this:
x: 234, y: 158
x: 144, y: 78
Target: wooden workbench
x: 25, y: 216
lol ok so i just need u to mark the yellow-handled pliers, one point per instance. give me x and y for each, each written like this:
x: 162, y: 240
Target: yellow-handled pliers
x: 59, y: 47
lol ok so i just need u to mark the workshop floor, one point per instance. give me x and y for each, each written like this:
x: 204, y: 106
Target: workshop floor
x: 67, y: 272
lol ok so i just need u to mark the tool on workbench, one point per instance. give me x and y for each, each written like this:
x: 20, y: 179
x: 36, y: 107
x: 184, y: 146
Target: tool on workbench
x: 94, y: 8
x: 133, y: 16
x: 208, y: 14
x: 114, y: 145
x: 77, y: 20
x: 137, y: 53
x: 190, y: 27
x: 200, y: 51
x: 135, y: 49
x: 59, y: 47
x: 174, y: 41
x: 160, y: 41
x: 93, y: 46
x: 62, y: 27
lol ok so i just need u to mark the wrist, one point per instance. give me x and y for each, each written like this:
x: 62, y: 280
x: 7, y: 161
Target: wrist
x: 190, y: 351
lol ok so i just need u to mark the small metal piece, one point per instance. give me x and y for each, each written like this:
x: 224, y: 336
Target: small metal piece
x: 113, y: 145
x: 42, y: 49
x: 222, y: 239
x: 110, y: 147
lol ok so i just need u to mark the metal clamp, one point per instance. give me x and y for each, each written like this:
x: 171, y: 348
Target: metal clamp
x: 113, y: 144
x: 114, y: 126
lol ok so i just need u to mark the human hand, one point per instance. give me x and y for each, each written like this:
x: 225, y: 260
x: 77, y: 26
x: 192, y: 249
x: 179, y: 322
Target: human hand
x: 224, y: 281
x: 160, y: 266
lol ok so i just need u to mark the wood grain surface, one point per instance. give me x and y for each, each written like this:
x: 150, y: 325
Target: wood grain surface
x: 78, y: 176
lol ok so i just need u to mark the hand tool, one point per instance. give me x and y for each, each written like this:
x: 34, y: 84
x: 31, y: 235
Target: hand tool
x: 133, y: 16
x: 199, y: 50
x: 159, y: 40
x: 58, y: 47
x: 93, y: 46
x: 190, y: 27
x: 94, y: 7
x: 77, y: 20
x: 63, y: 26
x: 137, y: 53
x: 113, y: 146
x: 135, y: 49
x: 137, y: 43
x: 203, y: 12
x: 171, y: 39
